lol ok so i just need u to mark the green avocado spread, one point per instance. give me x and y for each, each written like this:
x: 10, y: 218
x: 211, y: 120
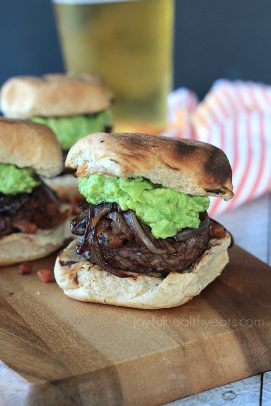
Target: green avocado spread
x: 163, y: 209
x: 15, y: 180
x: 70, y: 129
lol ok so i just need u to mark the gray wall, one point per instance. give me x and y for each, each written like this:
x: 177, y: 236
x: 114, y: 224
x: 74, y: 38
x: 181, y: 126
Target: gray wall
x: 213, y: 38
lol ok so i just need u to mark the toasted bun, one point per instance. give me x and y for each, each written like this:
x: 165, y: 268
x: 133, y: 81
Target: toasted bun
x: 65, y: 186
x: 19, y: 247
x: 187, y: 166
x: 88, y: 283
x: 54, y: 95
x: 27, y: 144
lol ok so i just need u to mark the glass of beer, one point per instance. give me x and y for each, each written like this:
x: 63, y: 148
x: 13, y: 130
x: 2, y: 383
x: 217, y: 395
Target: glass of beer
x: 129, y: 43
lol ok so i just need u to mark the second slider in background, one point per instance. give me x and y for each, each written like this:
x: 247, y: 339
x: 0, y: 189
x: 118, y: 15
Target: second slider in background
x: 33, y: 220
x: 72, y: 106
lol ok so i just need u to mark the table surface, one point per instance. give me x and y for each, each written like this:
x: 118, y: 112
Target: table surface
x: 251, y: 227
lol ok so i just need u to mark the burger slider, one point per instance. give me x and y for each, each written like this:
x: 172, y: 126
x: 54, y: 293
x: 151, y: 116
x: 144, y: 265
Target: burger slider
x: 72, y: 106
x: 33, y: 222
x: 144, y: 238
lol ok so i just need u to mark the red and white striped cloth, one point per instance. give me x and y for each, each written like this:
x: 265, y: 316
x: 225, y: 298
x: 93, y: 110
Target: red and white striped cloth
x: 236, y: 117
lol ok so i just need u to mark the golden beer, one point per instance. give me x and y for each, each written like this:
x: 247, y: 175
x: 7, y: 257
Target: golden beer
x: 129, y: 43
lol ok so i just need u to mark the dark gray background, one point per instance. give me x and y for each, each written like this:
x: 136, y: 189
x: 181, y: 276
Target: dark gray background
x: 213, y: 39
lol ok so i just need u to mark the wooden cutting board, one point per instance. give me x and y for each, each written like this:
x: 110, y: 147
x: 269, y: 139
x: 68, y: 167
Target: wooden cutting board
x: 56, y: 351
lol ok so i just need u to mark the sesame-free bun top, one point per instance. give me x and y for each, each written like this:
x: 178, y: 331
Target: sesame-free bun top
x: 188, y: 166
x: 27, y: 144
x: 54, y: 95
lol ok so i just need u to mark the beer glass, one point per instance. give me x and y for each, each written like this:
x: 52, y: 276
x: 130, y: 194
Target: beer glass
x: 129, y: 43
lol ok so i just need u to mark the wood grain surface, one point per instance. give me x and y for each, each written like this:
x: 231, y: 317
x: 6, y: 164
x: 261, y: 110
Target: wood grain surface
x: 251, y: 227
x: 58, y: 351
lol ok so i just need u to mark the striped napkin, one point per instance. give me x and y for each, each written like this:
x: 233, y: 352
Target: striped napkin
x: 236, y: 117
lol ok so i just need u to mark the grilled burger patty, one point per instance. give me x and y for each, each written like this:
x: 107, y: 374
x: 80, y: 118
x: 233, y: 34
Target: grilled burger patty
x: 118, y: 240
x: 135, y: 258
x: 27, y: 212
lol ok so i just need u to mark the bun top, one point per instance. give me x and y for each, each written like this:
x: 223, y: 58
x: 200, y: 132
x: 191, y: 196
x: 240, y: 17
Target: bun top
x: 54, y: 95
x: 188, y: 166
x: 27, y: 144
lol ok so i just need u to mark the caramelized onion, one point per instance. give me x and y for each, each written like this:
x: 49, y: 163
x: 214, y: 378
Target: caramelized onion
x: 98, y: 257
x: 115, y: 224
x: 119, y: 225
x: 78, y: 224
x: 100, y: 212
x: 90, y: 239
x: 132, y: 221
x: 169, y: 247
x: 187, y: 233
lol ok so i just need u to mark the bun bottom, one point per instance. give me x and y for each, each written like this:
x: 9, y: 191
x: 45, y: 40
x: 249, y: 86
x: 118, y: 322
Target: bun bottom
x: 86, y: 282
x: 20, y: 247
x: 65, y: 186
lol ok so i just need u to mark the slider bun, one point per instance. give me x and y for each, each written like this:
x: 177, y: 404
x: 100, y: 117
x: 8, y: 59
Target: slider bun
x: 188, y: 166
x: 27, y: 144
x: 20, y: 247
x: 54, y: 95
x: 88, y: 283
x: 65, y: 186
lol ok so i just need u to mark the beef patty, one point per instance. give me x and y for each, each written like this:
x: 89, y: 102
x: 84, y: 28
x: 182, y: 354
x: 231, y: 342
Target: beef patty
x: 27, y: 212
x: 110, y: 238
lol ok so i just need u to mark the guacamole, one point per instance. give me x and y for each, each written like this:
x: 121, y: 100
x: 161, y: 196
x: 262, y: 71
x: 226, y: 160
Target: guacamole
x: 15, y: 180
x: 70, y: 129
x: 163, y: 209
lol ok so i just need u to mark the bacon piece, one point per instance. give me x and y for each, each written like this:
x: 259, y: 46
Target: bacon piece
x: 25, y: 226
x: 115, y: 241
x: 45, y: 276
x: 25, y: 268
x: 216, y: 230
